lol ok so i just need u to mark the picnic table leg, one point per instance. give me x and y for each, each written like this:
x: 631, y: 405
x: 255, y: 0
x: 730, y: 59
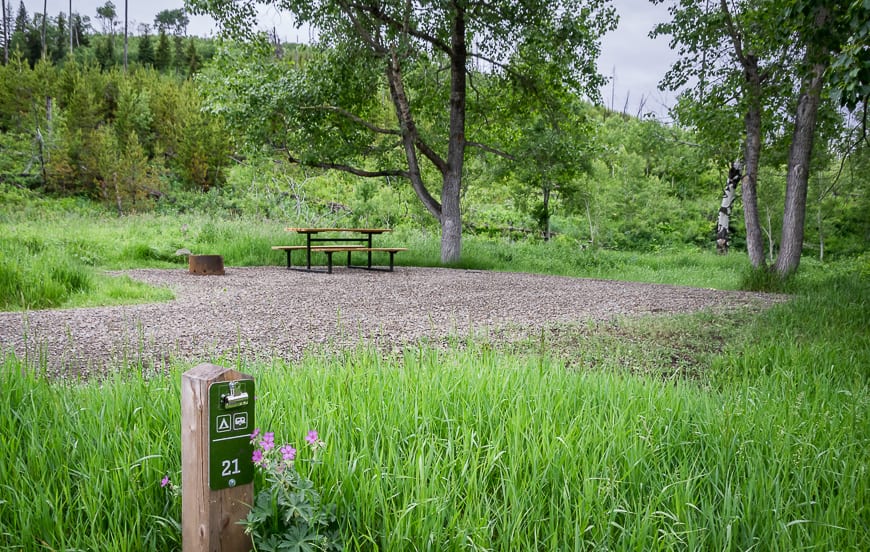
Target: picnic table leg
x: 392, y: 253
x: 289, y: 264
x: 370, y: 251
x: 348, y: 259
x: 328, y: 262
x: 308, y: 249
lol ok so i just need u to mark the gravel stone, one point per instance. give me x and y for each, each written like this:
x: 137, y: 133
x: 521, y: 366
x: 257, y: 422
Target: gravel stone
x: 265, y: 312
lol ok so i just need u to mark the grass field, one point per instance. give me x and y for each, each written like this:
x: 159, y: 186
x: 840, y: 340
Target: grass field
x: 587, y: 438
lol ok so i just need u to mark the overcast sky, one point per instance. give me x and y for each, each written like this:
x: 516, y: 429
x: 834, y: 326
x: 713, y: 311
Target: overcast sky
x: 636, y: 61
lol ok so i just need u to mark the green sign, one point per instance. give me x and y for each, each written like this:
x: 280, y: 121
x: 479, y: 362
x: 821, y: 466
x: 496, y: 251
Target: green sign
x: 231, y: 422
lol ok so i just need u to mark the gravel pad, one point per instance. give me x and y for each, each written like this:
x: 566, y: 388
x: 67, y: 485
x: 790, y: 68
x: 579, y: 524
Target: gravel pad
x: 272, y: 311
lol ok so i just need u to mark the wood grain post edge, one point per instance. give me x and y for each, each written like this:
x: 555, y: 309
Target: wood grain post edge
x: 209, y: 519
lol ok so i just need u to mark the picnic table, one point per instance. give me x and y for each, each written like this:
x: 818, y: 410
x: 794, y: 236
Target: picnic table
x: 349, y: 240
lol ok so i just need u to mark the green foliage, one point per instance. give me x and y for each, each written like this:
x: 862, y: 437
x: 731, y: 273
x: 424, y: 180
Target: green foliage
x: 549, y: 49
x: 91, y: 486
x: 105, y: 52
x: 146, y: 55
x: 113, y: 135
x: 38, y: 273
x: 622, y: 182
x: 287, y: 513
x: 163, y: 54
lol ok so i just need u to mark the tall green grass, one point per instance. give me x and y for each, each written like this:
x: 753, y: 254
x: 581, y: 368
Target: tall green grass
x: 79, y: 462
x: 42, y: 272
x: 475, y: 448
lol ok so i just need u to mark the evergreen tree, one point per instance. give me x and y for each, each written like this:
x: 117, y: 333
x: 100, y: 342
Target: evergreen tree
x: 163, y: 55
x: 105, y: 52
x: 21, y: 20
x: 146, y: 50
x: 193, y: 59
x: 59, y: 46
x: 32, y: 49
x: 18, y: 37
x: 179, y: 59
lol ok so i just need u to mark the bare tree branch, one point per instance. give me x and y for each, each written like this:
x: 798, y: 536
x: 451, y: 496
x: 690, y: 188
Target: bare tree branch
x: 734, y: 33
x: 491, y: 149
x: 355, y: 118
x: 430, y: 153
x: 375, y: 12
x: 349, y: 169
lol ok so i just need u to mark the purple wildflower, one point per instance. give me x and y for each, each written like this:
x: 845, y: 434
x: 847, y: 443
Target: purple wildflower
x: 288, y: 453
x: 312, y: 438
x: 268, y: 442
x: 257, y: 457
x: 165, y: 481
x: 255, y: 434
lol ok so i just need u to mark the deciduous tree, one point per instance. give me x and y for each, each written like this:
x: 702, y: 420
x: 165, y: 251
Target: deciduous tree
x: 107, y: 14
x: 329, y: 114
x: 746, y: 57
x: 175, y: 21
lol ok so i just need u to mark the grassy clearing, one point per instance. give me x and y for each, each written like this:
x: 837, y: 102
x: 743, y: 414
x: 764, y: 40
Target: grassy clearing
x: 36, y: 272
x: 582, y: 439
x: 59, y: 260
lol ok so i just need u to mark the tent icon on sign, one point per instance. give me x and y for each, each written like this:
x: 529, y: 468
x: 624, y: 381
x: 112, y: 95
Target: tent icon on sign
x: 224, y: 423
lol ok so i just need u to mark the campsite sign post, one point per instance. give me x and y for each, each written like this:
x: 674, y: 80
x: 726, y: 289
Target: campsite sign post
x: 217, y: 471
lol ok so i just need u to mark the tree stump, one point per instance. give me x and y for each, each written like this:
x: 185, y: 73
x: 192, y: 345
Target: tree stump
x: 206, y: 264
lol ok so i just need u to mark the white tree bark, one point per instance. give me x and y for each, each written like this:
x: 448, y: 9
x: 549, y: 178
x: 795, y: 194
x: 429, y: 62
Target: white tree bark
x: 5, y: 34
x: 729, y: 195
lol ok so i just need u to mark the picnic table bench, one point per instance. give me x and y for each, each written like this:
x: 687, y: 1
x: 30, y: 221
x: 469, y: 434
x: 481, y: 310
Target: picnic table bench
x: 354, y: 240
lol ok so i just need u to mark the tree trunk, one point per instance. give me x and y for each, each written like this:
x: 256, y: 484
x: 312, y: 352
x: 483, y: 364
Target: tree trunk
x: 821, y: 233
x: 44, y: 19
x: 125, y: 35
x: 451, y: 215
x: 591, y: 228
x: 409, y: 136
x: 799, y: 154
x: 41, y: 141
x: 752, y: 154
x: 451, y: 220
x: 729, y: 195
x: 545, y: 215
x: 5, y: 35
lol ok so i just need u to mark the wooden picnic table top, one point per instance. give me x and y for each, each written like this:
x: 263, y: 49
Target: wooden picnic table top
x: 319, y: 230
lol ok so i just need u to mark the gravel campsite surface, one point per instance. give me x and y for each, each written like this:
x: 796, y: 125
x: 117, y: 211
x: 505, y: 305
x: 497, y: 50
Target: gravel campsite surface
x: 271, y: 311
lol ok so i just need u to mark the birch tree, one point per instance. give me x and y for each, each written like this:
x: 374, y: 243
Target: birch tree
x: 420, y: 54
x: 5, y: 22
x: 766, y: 61
x: 729, y: 195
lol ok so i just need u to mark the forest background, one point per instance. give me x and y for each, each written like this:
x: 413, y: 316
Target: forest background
x: 136, y: 126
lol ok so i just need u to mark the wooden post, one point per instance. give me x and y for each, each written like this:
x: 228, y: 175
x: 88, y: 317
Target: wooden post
x: 209, y: 518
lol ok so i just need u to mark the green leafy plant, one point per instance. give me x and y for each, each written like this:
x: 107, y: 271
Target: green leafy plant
x: 287, y: 513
